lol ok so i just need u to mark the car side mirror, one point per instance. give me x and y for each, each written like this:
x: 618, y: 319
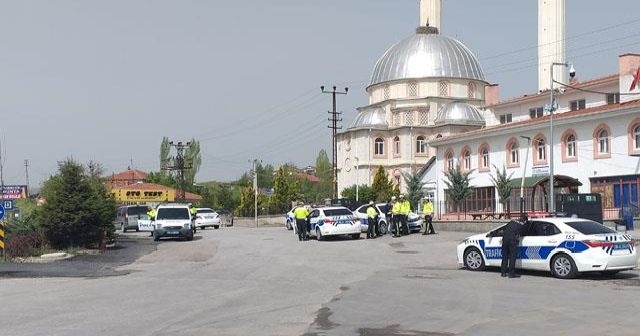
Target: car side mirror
x: 490, y: 235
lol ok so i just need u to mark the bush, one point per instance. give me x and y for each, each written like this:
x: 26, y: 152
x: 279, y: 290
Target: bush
x: 26, y: 244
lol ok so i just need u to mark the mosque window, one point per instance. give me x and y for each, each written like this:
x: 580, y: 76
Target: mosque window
x: 444, y: 89
x: 634, y: 137
x: 396, y: 119
x: 513, y: 153
x: 449, y: 159
x: 424, y: 117
x: 613, y: 98
x: 471, y: 88
x: 483, y: 157
x: 575, y: 105
x: 539, y: 144
x: 408, y: 118
x: 506, y: 118
x: 569, y: 146
x: 396, y: 146
x: 466, y: 159
x: 536, y: 112
x: 602, y: 142
x: 412, y: 89
x: 379, y: 146
x: 421, y: 145
x: 385, y: 92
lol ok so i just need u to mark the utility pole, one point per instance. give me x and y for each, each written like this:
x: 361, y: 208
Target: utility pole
x: 334, y: 126
x: 255, y: 191
x: 179, y: 165
x: 26, y: 174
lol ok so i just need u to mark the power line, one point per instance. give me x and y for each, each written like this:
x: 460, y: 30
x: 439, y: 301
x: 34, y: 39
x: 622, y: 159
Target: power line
x: 179, y: 165
x: 334, y: 127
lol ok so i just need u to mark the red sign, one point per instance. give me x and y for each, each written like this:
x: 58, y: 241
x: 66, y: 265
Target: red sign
x: 12, y: 192
x: 635, y: 81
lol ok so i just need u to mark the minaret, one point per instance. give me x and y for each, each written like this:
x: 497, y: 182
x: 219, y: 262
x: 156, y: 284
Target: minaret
x: 551, y: 41
x: 430, y: 13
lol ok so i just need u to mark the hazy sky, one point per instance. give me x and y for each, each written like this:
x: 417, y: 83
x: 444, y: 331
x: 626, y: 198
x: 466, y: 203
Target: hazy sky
x: 106, y: 80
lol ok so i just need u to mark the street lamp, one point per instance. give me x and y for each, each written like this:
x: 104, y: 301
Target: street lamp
x: 357, y: 180
x: 552, y: 107
x: 524, y: 169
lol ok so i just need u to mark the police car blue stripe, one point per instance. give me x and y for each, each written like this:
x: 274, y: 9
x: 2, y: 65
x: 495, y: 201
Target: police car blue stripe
x: 535, y: 252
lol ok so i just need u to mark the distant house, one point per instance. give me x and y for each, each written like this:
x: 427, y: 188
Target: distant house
x: 127, y: 177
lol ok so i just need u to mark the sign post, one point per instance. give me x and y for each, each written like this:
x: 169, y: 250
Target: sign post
x: 2, y: 230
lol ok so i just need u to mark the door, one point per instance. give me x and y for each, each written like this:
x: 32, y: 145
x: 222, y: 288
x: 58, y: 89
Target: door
x: 313, y: 220
x: 539, y: 239
x: 492, y: 247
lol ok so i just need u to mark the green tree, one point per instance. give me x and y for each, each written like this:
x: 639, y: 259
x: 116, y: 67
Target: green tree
x: 324, y: 172
x: 502, y: 182
x: 382, y: 187
x: 192, y: 159
x: 246, y: 207
x: 458, y: 186
x: 78, y: 210
x: 414, y: 189
x: 365, y: 193
x: 285, y: 190
x: 162, y: 178
x: 265, y: 175
x: 165, y: 150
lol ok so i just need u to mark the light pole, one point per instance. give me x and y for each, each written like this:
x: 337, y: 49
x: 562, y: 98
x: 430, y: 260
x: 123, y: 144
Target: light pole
x: 357, y: 180
x: 552, y: 107
x: 524, y: 170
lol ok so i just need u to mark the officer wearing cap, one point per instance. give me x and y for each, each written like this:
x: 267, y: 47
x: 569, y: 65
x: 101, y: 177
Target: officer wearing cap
x: 372, y: 220
x: 427, y: 211
x: 395, y: 215
x: 300, y: 214
x: 510, y: 238
x: 405, y: 208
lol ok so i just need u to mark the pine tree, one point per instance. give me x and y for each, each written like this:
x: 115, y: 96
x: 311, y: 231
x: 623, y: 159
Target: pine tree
x: 414, y: 189
x: 382, y: 187
x: 502, y: 182
x: 458, y: 186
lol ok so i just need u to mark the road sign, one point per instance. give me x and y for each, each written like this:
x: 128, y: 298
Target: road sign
x: 1, y: 211
x: 540, y: 171
x: 8, y: 204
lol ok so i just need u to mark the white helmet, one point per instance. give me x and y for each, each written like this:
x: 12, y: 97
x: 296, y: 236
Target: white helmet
x: 370, y: 202
x: 393, y: 198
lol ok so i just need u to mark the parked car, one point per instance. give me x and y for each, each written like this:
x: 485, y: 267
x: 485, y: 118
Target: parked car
x: 564, y: 246
x: 289, y: 220
x: 173, y: 221
x: 333, y: 221
x: 361, y: 213
x: 206, y: 217
x: 127, y: 216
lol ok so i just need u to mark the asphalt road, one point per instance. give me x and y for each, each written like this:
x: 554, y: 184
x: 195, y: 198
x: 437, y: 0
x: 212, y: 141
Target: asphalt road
x: 241, y: 281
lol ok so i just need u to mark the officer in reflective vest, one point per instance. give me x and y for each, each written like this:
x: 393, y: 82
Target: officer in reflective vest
x: 300, y: 214
x: 152, y: 216
x: 193, y: 211
x: 405, y: 208
x: 396, y: 215
x: 427, y: 211
x: 372, y: 221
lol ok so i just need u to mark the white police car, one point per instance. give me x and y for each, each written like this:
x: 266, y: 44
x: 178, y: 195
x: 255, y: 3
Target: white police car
x: 564, y: 246
x: 333, y: 221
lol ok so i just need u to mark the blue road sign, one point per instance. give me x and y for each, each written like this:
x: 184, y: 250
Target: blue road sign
x: 8, y: 204
x: 1, y: 211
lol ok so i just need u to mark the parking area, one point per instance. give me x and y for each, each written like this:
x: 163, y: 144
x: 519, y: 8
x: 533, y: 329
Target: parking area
x: 242, y: 281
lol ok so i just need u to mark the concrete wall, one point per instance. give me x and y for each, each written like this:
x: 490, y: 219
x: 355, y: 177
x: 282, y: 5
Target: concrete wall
x: 263, y: 221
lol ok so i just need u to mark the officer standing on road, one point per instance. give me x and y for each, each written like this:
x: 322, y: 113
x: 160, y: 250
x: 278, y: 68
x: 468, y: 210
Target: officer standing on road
x: 427, y: 211
x: 405, y: 208
x: 300, y: 214
x: 395, y: 216
x: 510, y: 238
x: 193, y: 211
x: 372, y: 221
x: 152, y: 216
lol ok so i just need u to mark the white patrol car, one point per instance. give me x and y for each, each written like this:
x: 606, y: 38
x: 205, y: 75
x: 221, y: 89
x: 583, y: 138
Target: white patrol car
x: 333, y: 221
x: 564, y: 246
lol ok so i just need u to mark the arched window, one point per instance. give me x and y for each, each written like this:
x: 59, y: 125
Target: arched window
x: 539, y: 147
x: 466, y: 159
x: 633, y: 134
x: 483, y: 158
x: 636, y: 137
x: 421, y: 145
x: 603, y: 142
x: 471, y: 90
x: 379, y: 146
x: 569, y: 146
x: 448, y: 157
x: 444, y: 89
x: 513, y: 153
x: 396, y: 146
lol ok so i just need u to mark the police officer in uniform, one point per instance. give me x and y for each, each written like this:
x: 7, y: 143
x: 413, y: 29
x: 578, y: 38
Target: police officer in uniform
x: 427, y: 211
x: 405, y: 208
x: 300, y: 214
x: 372, y: 220
x: 395, y: 216
x: 152, y: 216
x: 510, y: 238
x: 193, y: 211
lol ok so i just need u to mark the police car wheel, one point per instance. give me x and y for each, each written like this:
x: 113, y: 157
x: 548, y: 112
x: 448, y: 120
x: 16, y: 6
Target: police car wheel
x: 319, y: 235
x: 563, y: 267
x: 473, y: 260
x: 382, y: 227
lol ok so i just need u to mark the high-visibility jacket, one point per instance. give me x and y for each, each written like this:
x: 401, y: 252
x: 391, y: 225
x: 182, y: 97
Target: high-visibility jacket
x: 427, y: 208
x: 301, y: 213
x: 151, y: 213
x: 193, y: 211
x: 405, y: 207
x: 371, y: 212
x: 396, y: 209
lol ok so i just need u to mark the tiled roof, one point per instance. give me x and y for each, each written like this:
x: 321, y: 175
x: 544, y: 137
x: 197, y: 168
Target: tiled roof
x: 129, y: 175
x: 310, y: 178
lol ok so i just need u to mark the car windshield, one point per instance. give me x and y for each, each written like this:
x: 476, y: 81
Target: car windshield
x: 205, y: 211
x: 589, y: 227
x: 137, y: 210
x: 384, y: 208
x: 338, y: 212
x: 173, y: 213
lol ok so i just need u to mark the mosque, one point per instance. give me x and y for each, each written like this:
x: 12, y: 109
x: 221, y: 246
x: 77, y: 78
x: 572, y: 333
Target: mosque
x: 431, y: 108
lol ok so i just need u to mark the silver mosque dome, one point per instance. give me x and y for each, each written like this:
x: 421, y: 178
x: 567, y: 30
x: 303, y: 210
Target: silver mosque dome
x: 370, y: 117
x: 459, y: 113
x: 427, y: 54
